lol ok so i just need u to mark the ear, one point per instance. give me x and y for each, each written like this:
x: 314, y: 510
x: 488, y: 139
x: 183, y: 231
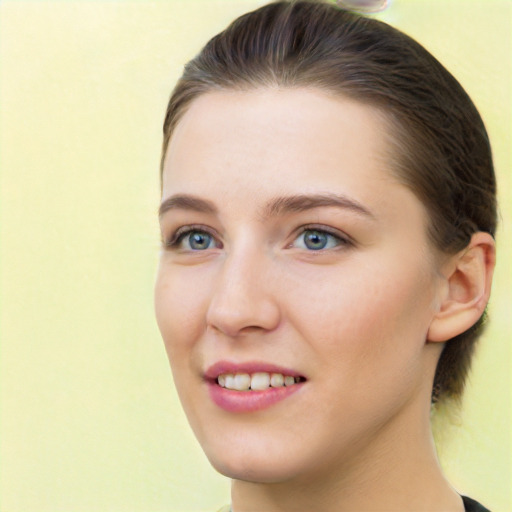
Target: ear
x: 467, y: 286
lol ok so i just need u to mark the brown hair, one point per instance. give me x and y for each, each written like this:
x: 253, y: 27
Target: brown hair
x: 441, y: 148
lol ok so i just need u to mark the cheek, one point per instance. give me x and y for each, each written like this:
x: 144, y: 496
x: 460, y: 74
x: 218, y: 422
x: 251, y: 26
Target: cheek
x: 180, y: 305
x: 368, y: 316
x: 390, y: 306
x: 179, y: 308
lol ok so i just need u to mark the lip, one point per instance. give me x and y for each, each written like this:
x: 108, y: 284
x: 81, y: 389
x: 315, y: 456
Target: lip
x: 248, y: 401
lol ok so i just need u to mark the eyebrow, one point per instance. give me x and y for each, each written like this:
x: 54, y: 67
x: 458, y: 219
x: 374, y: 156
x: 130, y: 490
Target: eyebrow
x: 304, y: 202
x: 275, y: 207
x: 186, y: 202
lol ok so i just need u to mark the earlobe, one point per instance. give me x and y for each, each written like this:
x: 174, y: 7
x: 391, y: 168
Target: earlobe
x: 467, y: 289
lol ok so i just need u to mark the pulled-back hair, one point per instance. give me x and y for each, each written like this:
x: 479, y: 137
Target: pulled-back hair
x: 440, y: 147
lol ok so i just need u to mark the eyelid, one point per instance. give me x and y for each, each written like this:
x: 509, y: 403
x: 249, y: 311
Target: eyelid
x: 177, y: 236
x: 340, y: 235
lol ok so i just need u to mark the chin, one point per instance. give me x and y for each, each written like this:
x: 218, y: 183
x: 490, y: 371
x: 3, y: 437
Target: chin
x: 257, y: 465
x: 264, y: 472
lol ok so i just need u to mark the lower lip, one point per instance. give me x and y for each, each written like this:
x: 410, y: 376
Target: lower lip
x: 248, y: 401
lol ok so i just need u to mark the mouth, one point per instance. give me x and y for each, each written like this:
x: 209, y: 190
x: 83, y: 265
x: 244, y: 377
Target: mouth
x: 250, y: 386
x: 258, y: 381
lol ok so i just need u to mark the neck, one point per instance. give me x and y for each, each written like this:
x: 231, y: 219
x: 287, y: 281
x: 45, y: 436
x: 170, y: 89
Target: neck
x: 397, y: 470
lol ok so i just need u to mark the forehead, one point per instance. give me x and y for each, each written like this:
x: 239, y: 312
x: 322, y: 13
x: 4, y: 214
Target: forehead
x: 290, y: 134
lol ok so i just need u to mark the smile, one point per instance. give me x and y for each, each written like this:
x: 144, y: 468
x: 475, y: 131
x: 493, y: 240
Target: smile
x: 250, y: 387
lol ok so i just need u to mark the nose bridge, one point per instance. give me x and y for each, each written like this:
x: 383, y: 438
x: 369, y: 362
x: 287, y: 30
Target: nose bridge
x: 243, y: 298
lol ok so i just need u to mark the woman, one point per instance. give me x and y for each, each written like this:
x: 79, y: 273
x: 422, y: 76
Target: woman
x: 328, y: 212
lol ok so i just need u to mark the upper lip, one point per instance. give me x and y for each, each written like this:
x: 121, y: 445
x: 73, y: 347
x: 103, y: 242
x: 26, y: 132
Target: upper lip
x: 222, y: 367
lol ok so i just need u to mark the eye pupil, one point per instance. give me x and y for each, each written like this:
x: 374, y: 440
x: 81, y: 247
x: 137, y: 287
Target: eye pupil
x: 315, y: 240
x: 199, y: 241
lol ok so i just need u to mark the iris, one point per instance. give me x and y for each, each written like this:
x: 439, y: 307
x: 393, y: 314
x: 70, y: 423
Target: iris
x: 199, y: 240
x: 315, y: 240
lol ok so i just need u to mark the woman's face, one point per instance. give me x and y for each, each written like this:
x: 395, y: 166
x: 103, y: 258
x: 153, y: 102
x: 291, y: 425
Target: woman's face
x: 290, y: 250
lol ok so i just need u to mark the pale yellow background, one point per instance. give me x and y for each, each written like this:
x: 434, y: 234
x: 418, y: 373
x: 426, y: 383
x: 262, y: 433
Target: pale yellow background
x: 89, y: 418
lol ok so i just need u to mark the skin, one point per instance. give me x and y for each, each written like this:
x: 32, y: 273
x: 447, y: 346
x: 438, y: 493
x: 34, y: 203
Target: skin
x: 354, y: 318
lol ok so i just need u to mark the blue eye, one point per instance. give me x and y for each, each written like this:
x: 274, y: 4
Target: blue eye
x: 316, y: 240
x: 199, y: 240
x: 192, y: 240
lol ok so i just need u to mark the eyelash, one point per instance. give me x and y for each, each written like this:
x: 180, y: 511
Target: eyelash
x: 181, y: 233
x: 341, y: 238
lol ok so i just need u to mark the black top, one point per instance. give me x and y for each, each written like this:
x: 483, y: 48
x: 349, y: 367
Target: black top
x: 473, y: 506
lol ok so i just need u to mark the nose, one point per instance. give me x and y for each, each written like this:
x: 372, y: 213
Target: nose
x: 244, y: 299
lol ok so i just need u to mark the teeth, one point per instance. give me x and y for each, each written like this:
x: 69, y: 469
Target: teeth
x: 230, y: 381
x: 289, y: 381
x: 260, y: 381
x: 276, y: 380
x: 242, y: 381
x: 257, y: 381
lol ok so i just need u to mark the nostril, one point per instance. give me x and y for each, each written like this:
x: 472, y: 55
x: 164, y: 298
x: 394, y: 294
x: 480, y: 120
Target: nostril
x: 250, y: 315
x: 251, y: 329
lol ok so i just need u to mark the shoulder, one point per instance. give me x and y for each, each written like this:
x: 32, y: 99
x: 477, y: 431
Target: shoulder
x: 470, y: 505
